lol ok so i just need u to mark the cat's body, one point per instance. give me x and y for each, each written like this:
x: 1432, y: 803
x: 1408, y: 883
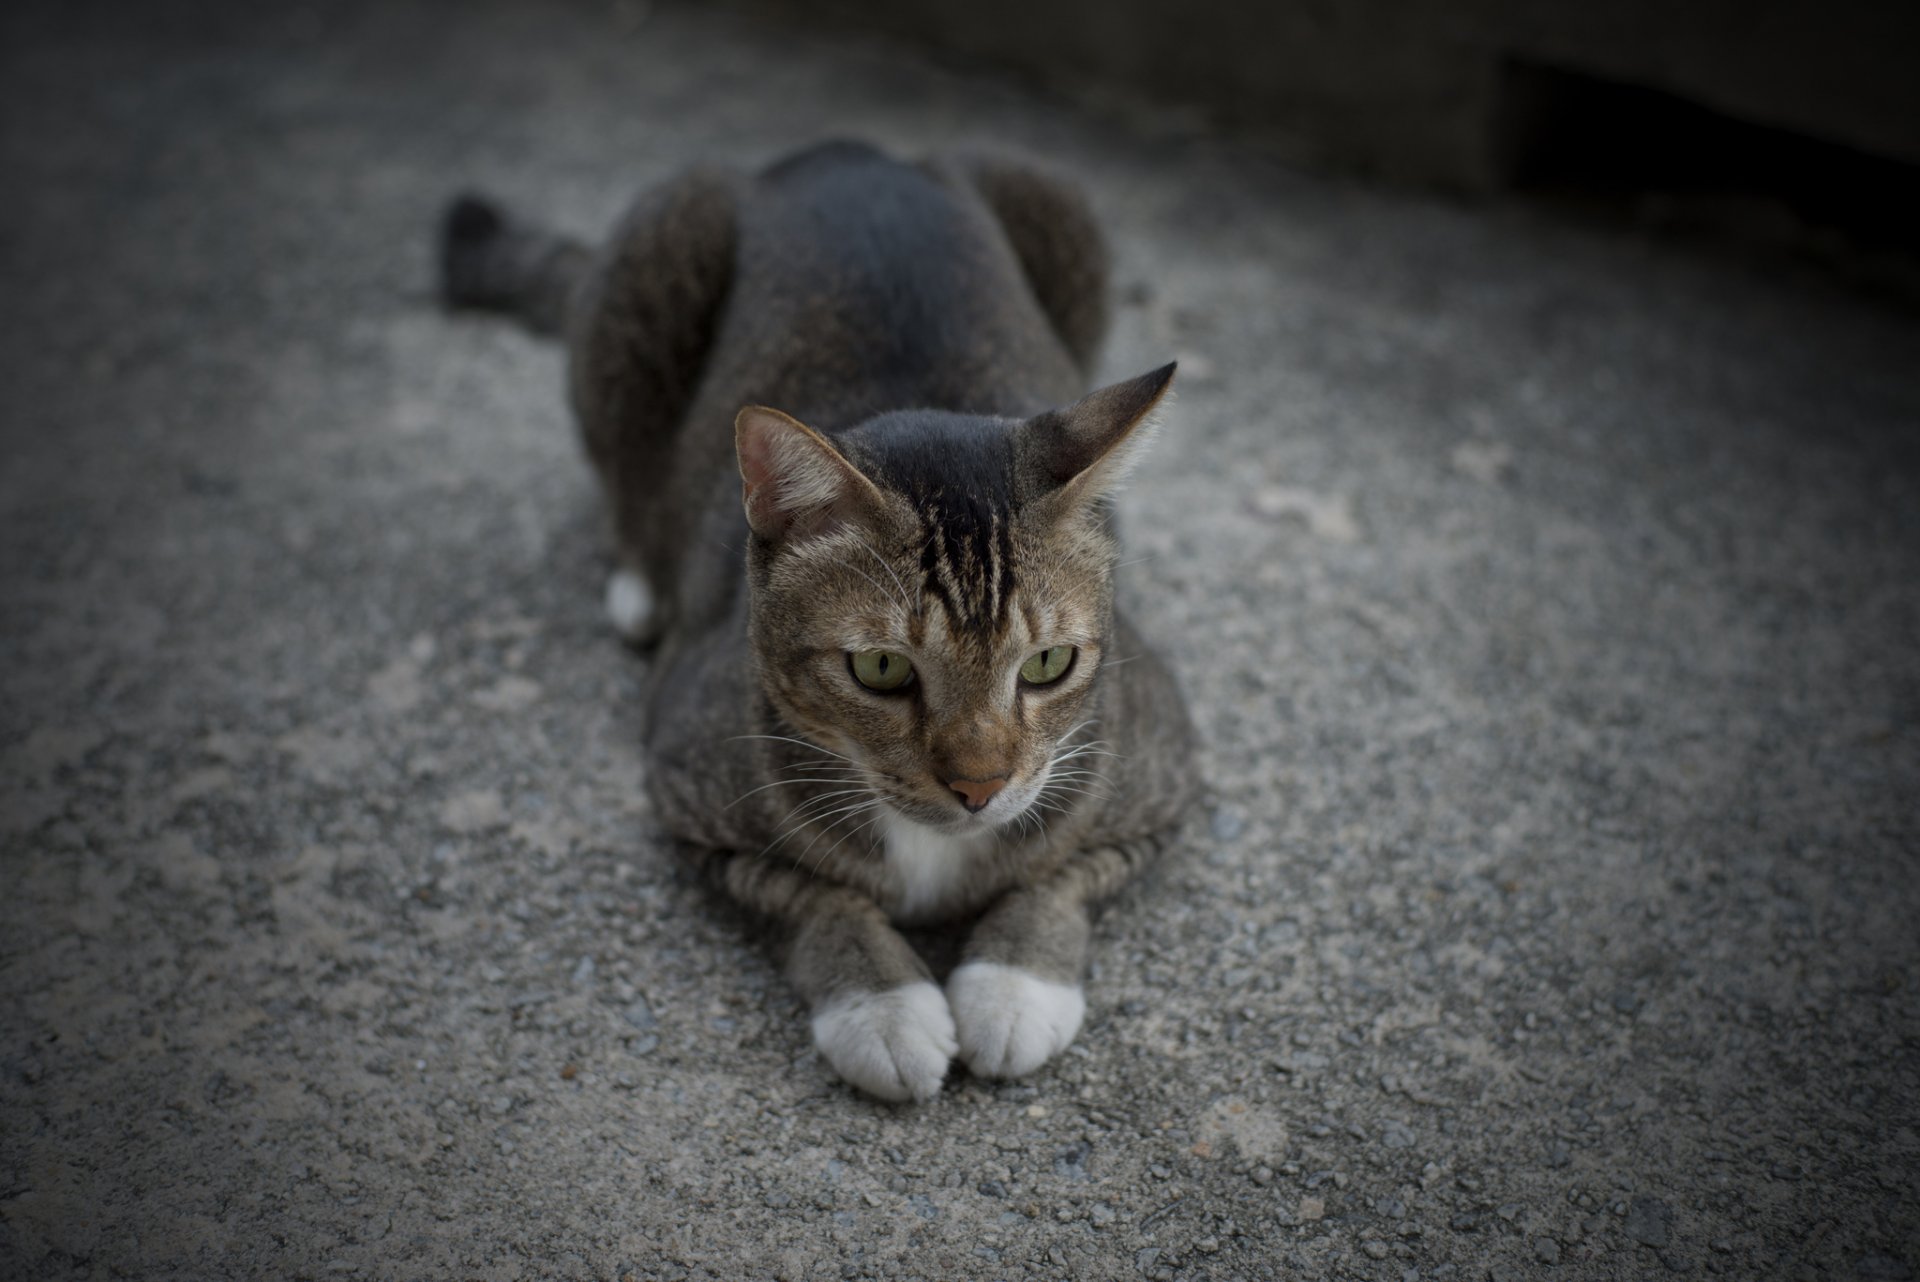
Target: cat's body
x: 935, y: 522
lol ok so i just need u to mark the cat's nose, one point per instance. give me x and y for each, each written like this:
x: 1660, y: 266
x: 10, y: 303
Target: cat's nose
x: 976, y: 793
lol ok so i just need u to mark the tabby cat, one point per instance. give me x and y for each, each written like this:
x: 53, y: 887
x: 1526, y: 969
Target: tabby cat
x: 890, y: 685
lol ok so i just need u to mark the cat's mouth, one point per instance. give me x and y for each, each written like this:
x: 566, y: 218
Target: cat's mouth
x: 952, y: 814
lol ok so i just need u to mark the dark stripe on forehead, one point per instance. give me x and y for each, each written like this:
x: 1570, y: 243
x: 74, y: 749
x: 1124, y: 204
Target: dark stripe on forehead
x: 966, y: 559
x: 956, y: 470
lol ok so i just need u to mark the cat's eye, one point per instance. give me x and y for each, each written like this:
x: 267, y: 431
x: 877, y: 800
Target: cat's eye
x: 881, y: 670
x: 1048, y: 666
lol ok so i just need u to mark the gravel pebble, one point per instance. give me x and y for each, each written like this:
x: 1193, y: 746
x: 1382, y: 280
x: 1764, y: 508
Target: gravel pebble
x: 1649, y: 1221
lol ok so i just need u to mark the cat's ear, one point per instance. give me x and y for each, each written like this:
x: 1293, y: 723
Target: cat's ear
x: 1084, y: 451
x: 793, y: 482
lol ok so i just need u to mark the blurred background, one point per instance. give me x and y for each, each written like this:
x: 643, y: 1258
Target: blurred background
x: 1792, y: 124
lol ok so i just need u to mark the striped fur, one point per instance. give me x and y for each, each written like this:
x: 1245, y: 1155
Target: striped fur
x: 833, y: 407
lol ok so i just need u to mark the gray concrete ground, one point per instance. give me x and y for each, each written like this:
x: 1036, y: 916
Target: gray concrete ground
x: 1548, y: 602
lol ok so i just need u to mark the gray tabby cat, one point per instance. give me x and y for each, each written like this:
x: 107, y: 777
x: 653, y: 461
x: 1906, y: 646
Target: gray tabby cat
x: 891, y: 686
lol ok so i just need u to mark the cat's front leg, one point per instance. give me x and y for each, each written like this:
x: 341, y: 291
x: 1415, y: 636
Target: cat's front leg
x: 878, y: 1017
x: 1016, y: 995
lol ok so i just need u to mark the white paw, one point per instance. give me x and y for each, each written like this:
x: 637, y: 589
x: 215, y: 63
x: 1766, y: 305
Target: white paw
x: 1011, y: 1021
x: 894, y: 1044
x: 629, y: 604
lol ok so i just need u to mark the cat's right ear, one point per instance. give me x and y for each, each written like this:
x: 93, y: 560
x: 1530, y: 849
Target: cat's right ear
x: 1073, y: 456
x: 794, y: 483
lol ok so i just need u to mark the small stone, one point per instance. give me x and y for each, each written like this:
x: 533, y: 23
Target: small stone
x: 1227, y: 824
x: 1261, y: 1175
x: 1546, y: 1250
x: 1202, y: 1149
x: 569, y: 1071
x: 639, y: 1014
x: 1649, y: 1221
x: 1485, y: 461
x: 1036, y: 1111
x: 1312, y: 1208
x: 1102, y: 1214
x: 1375, y: 1248
x: 1397, y: 1135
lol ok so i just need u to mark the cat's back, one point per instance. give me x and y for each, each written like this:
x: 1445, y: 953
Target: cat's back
x: 843, y: 227
x: 865, y: 283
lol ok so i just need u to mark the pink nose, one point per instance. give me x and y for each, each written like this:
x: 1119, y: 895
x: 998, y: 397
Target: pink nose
x: 976, y: 793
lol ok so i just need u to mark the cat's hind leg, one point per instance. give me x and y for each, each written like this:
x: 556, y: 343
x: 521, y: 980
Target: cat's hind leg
x: 641, y: 324
x: 1052, y: 230
x: 631, y: 607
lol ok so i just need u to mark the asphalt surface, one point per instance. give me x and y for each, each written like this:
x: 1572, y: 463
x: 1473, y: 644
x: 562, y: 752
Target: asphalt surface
x: 1547, y: 600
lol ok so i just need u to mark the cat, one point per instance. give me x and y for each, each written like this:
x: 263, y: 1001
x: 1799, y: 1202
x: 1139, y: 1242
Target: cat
x: 889, y: 684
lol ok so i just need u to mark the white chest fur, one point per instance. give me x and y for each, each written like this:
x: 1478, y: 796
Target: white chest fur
x: 931, y: 871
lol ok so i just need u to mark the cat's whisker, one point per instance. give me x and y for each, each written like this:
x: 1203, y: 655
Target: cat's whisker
x: 828, y: 853
x: 1088, y: 750
x: 827, y: 804
x: 792, y: 829
x: 905, y: 598
x: 795, y: 741
x: 878, y: 586
x: 832, y: 816
x: 839, y: 817
x: 786, y: 783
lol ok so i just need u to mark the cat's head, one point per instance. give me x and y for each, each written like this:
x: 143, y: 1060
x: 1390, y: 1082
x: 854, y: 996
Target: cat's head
x: 932, y: 593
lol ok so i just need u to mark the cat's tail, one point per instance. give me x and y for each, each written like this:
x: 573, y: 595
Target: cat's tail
x: 492, y: 261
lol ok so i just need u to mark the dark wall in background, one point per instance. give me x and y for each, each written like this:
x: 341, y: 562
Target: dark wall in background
x: 1439, y: 93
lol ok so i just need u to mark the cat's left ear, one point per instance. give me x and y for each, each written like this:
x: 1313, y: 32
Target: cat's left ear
x: 793, y: 482
x: 1083, y: 452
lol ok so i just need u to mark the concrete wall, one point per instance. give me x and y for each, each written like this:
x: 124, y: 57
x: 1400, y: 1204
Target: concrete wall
x: 1415, y: 91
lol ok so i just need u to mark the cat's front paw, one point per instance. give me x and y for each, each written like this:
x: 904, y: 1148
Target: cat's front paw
x: 1011, y: 1021
x: 895, y: 1044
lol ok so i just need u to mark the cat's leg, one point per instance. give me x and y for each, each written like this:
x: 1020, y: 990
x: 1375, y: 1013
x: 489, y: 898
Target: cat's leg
x: 878, y: 1017
x: 1059, y: 244
x: 642, y: 322
x: 1016, y: 995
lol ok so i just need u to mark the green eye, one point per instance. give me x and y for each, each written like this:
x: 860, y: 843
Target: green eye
x: 1048, y: 666
x: 881, y: 669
